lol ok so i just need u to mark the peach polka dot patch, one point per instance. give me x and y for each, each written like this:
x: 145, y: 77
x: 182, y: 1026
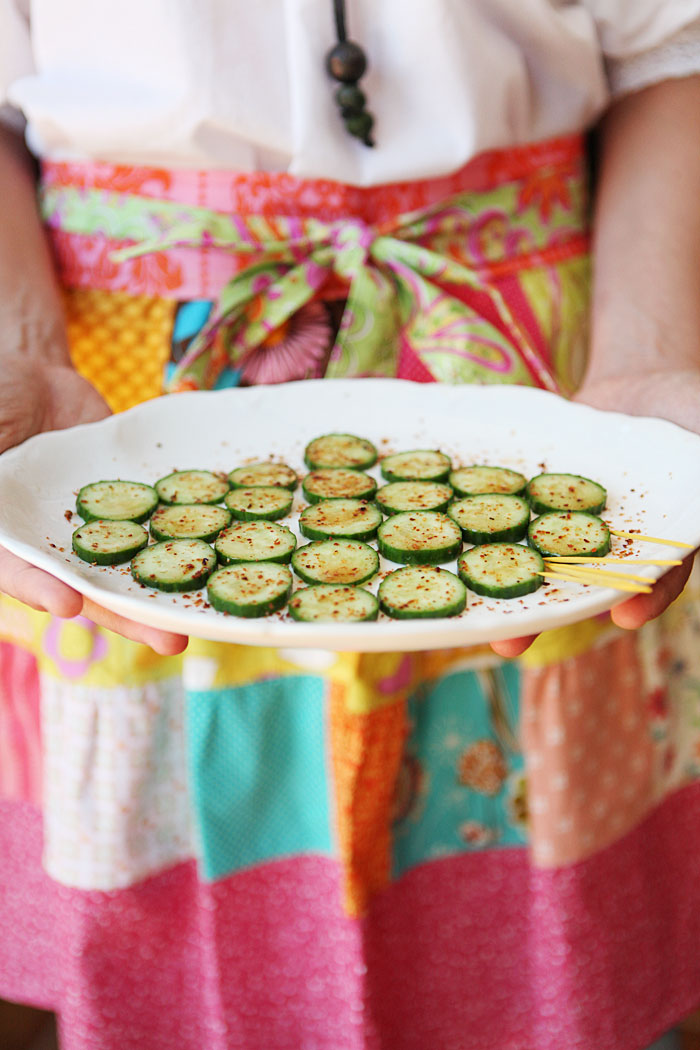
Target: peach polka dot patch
x: 588, y: 753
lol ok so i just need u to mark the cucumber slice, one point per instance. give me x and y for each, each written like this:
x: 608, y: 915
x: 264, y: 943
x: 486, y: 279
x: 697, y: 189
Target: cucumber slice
x: 174, y: 565
x: 340, y: 450
x: 192, y: 486
x: 501, y: 570
x: 423, y: 537
x: 189, y: 521
x: 345, y: 518
x: 491, y: 517
x: 422, y: 592
x: 108, y: 542
x: 565, y: 492
x: 116, y: 501
x: 338, y: 483
x: 418, y: 465
x: 333, y: 603
x: 398, y: 496
x: 278, y: 474
x: 247, y: 541
x: 266, y: 502
x: 251, y: 590
x: 471, y: 481
x: 559, y: 533
x: 336, y: 561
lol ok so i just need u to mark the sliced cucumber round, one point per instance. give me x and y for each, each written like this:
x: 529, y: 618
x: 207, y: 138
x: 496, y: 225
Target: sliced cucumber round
x: 398, y: 496
x: 573, y: 533
x: 491, y: 517
x: 346, y: 518
x: 418, y: 465
x: 266, y: 502
x: 174, y: 565
x: 333, y: 603
x: 247, y: 541
x: 422, y: 592
x: 335, y: 561
x: 340, y: 450
x: 192, y: 486
x: 474, y: 480
x: 422, y: 537
x: 189, y: 521
x: 277, y: 474
x: 107, y: 542
x: 338, y: 483
x: 565, y: 492
x: 501, y: 570
x: 116, y: 501
x: 251, y: 590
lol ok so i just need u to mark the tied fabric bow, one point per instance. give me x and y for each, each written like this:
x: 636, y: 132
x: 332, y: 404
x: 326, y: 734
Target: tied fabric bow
x: 398, y: 287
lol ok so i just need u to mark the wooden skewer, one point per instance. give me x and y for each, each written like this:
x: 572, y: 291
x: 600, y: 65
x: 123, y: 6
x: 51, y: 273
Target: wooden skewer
x: 565, y: 559
x: 650, y: 539
x: 603, y: 574
x: 616, y: 585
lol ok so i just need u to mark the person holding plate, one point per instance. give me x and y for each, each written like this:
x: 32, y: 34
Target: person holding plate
x: 243, y: 847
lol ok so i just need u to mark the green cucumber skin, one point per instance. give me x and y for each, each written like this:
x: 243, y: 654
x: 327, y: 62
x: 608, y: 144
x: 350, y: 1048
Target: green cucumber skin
x: 88, y: 516
x: 208, y: 537
x: 598, y: 552
x: 477, y: 537
x: 462, y: 492
x: 372, y: 615
x: 308, y: 578
x: 271, y: 515
x: 314, y: 497
x: 180, y: 503
x: 446, y: 611
x: 441, y: 476
x: 290, y: 485
x: 389, y: 510
x: 437, y: 556
x: 540, y: 507
x: 318, y: 534
x: 246, y: 515
x: 386, y: 508
x: 278, y: 559
x: 518, y: 590
x: 423, y: 557
x: 437, y: 614
x: 249, y: 612
x: 313, y: 533
x: 176, y: 586
x: 317, y: 464
x: 97, y: 558
x: 544, y: 508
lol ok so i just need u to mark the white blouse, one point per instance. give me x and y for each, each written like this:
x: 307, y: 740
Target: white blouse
x: 242, y: 83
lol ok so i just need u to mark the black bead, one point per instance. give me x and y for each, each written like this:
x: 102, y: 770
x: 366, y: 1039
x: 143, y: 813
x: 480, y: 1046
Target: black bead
x: 350, y: 99
x: 360, y: 125
x: 346, y: 62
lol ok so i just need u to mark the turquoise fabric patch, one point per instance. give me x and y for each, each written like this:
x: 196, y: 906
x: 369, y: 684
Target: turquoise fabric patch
x: 258, y: 777
x: 462, y: 785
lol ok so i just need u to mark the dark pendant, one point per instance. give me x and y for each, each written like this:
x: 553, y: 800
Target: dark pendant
x: 347, y: 62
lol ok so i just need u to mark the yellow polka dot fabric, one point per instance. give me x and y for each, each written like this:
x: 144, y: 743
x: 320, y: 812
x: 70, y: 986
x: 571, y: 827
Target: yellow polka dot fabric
x: 120, y: 342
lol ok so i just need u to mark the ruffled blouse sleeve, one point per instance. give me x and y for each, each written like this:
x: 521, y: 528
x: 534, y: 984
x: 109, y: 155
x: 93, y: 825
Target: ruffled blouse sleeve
x: 646, y: 41
x: 15, y: 54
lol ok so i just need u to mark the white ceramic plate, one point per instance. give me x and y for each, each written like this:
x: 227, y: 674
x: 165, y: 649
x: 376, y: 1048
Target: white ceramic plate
x: 649, y: 467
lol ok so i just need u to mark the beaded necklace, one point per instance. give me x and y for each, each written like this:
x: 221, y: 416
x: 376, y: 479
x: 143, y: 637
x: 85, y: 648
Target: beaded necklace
x: 347, y: 62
